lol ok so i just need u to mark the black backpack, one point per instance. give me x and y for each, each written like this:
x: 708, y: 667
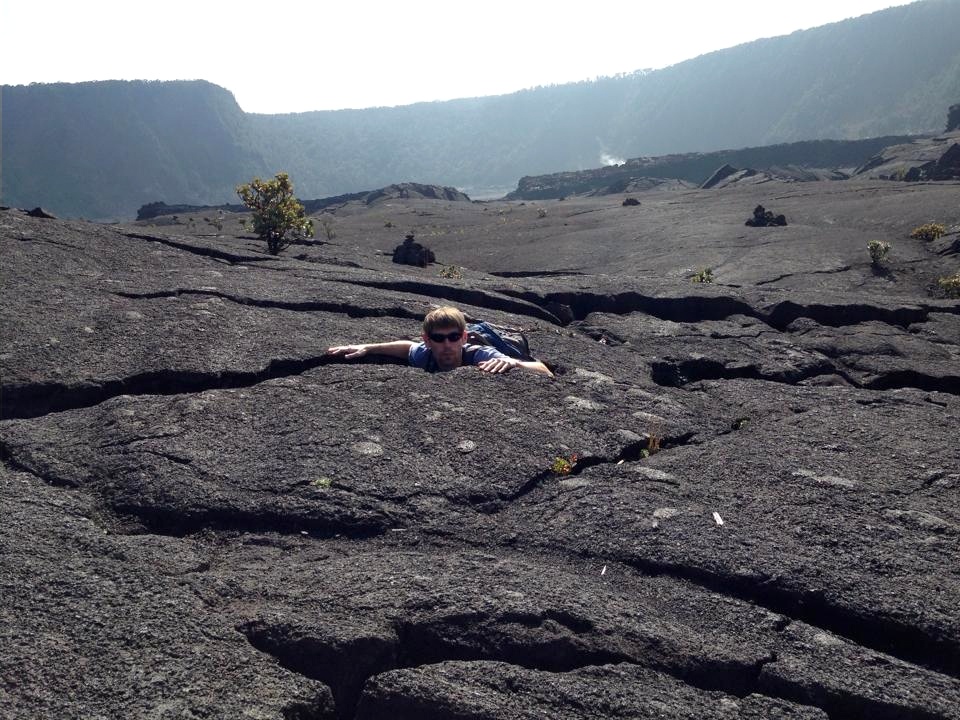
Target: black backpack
x: 510, y: 341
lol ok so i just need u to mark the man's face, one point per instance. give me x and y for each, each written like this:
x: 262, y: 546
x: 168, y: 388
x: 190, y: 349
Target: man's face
x: 448, y: 353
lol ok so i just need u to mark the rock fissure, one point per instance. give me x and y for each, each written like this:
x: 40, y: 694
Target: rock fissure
x: 231, y: 258
x: 31, y: 400
x: 8, y: 459
x: 678, y: 373
x: 576, y: 306
x: 353, y: 311
x: 832, y: 271
x: 346, y: 666
x: 887, y: 635
x: 181, y: 522
x: 669, y: 373
x: 468, y: 296
x: 535, y: 273
x: 632, y: 452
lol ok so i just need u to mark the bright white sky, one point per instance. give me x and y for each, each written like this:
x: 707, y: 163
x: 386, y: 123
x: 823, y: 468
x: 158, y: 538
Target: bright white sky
x: 295, y: 55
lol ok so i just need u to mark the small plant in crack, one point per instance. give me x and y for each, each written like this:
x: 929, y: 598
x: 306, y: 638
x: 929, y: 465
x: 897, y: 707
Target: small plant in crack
x: 321, y: 483
x: 653, y: 444
x: 704, y: 275
x: 654, y: 438
x: 928, y: 232
x: 562, y: 465
x: 739, y: 423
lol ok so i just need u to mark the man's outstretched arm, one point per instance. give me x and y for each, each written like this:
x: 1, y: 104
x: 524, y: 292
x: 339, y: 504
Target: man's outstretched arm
x: 395, y: 348
x: 505, y: 364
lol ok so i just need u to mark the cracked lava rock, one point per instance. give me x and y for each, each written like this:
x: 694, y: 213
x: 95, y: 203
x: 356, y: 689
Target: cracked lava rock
x: 205, y: 516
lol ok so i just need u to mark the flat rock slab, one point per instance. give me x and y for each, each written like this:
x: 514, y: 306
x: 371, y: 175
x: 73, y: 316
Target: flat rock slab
x: 490, y: 690
x: 99, y: 625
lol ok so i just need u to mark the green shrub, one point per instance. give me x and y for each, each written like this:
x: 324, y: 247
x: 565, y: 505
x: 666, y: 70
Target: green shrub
x: 562, y: 465
x: 930, y: 231
x: 278, y: 217
x: 705, y: 275
x: 878, y: 253
x: 950, y: 285
x: 452, y: 272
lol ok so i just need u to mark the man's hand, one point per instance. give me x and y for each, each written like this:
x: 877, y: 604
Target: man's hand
x: 349, y: 352
x: 497, y: 365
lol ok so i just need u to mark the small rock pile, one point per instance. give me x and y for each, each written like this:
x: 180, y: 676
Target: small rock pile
x: 765, y: 218
x: 413, y: 253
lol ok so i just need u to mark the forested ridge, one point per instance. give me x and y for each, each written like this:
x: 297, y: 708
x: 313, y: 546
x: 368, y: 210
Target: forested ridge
x: 102, y: 149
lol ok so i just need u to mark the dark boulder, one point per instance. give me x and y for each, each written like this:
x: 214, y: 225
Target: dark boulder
x: 948, y: 166
x: 628, y: 202
x: 413, y: 253
x: 39, y: 212
x: 765, y: 218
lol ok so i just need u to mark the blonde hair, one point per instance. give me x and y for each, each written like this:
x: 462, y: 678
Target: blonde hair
x: 444, y: 317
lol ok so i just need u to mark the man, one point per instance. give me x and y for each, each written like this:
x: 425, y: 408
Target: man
x: 444, y: 347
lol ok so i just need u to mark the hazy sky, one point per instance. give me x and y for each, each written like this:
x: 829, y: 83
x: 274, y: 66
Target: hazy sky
x: 293, y: 56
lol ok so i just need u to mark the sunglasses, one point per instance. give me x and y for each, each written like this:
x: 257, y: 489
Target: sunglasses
x: 451, y: 336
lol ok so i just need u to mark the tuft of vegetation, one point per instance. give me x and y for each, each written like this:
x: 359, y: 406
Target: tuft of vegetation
x: 950, y: 285
x: 928, y: 232
x: 653, y: 444
x: 704, y: 275
x: 389, y: 224
x: 217, y: 222
x: 562, y: 465
x: 278, y: 217
x: 321, y: 483
x: 326, y: 222
x: 878, y: 253
x: 452, y: 272
x: 541, y: 213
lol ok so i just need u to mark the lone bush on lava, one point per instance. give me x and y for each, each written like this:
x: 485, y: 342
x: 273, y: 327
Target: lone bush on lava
x: 278, y: 217
x: 562, y: 465
x: 703, y: 276
x: 878, y: 253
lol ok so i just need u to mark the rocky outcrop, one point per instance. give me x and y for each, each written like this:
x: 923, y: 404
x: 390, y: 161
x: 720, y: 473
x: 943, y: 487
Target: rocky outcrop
x: 953, y: 118
x: 161, y: 209
x: 39, y: 212
x: 367, y: 197
x: 765, y: 218
x: 696, y: 168
x: 399, y: 191
x: 721, y: 173
x: 933, y: 158
x: 412, y: 253
x: 412, y: 191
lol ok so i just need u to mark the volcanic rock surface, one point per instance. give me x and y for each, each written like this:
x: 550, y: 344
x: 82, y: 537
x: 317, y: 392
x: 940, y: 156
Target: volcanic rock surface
x: 205, y: 516
x: 935, y: 158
